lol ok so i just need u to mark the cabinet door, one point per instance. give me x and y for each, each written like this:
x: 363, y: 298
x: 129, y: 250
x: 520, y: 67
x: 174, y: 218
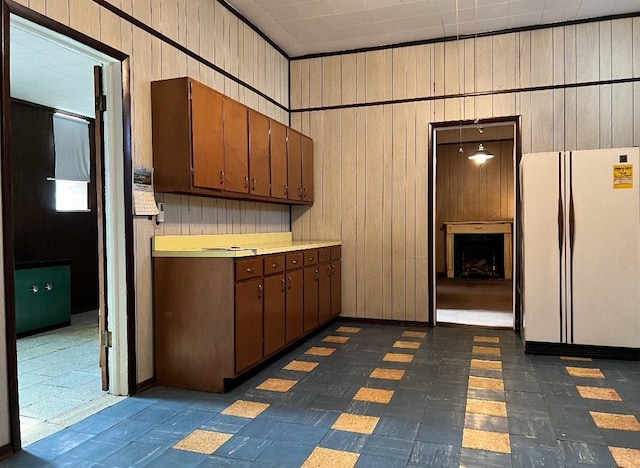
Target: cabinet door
x: 206, y: 136
x: 294, y: 307
x: 248, y: 323
x: 324, y: 293
x: 236, y: 146
x: 28, y: 291
x: 307, y: 169
x: 55, y: 295
x: 278, y: 141
x: 274, y: 316
x: 311, y: 280
x: 259, y: 169
x: 294, y: 164
x: 336, y: 291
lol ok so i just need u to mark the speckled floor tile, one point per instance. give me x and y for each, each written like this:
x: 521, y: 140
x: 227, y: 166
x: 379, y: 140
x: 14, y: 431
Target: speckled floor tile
x: 487, y: 407
x: 486, y: 350
x: 486, y: 440
x: 328, y: 458
x: 356, y: 423
x: 628, y: 458
x: 486, y: 339
x: 414, y: 334
x: 484, y: 364
x: 320, y: 351
x: 406, y: 344
x: 277, y: 385
x: 573, y: 358
x: 598, y: 393
x: 348, y: 329
x: 388, y: 374
x: 245, y: 409
x: 585, y: 372
x: 397, y: 357
x: 200, y: 441
x: 621, y: 422
x: 301, y: 366
x: 374, y: 395
x: 488, y: 383
x: 335, y: 339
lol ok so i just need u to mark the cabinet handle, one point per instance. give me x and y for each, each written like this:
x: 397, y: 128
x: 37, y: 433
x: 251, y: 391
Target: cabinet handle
x: 259, y: 291
x: 34, y: 288
x: 329, y: 270
x: 304, y: 192
x: 311, y: 259
x: 221, y: 177
x: 275, y: 266
x: 317, y: 274
x: 283, y: 284
x: 246, y: 182
x: 286, y: 190
x: 295, y: 262
x: 253, y: 181
x: 333, y: 269
x: 289, y: 280
x: 300, y: 192
x: 48, y: 286
x: 250, y: 270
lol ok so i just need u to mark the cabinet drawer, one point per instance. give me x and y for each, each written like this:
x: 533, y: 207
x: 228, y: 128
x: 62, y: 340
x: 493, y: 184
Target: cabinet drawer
x: 246, y: 269
x: 294, y: 260
x: 310, y: 257
x: 274, y: 264
x: 324, y: 254
x: 335, y: 252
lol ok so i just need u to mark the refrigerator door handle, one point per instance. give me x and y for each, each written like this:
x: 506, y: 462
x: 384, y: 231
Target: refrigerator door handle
x: 560, y: 224
x: 572, y: 224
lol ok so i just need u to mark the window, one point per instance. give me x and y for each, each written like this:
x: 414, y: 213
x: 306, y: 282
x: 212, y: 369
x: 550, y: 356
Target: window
x: 71, y: 195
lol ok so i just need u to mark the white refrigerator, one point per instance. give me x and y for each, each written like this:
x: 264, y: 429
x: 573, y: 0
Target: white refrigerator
x: 581, y: 249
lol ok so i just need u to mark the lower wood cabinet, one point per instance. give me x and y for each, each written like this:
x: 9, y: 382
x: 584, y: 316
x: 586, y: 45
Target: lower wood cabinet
x: 216, y: 318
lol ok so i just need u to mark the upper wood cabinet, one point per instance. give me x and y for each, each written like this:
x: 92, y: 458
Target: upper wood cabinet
x: 207, y: 144
x: 187, y: 136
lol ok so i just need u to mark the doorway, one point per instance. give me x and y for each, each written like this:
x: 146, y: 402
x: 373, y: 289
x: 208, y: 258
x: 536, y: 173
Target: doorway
x: 60, y: 76
x: 474, y: 208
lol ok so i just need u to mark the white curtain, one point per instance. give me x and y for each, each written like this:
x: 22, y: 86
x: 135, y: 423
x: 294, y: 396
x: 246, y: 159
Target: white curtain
x: 71, y: 141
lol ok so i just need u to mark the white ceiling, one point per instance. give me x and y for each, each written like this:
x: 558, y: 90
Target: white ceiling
x: 46, y: 72
x: 302, y: 27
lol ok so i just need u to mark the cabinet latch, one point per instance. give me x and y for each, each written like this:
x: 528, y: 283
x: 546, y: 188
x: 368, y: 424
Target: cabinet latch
x: 106, y: 339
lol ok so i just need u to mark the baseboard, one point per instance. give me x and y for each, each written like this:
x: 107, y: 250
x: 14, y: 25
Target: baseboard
x: 6, y: 451
x: 145, y: 385
x: 481, y: 327
x: 402, y: 323
x: 577, y: 350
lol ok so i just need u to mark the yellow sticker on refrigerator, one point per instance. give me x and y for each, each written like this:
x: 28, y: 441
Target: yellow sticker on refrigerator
x: 622, y: 176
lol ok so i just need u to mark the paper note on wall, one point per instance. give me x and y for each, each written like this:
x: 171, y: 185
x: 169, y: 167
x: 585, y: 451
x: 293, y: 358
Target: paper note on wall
x: 623, y: 176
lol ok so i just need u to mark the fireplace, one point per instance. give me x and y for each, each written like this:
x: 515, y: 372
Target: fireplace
x: 478, y: 256
x: 480, y: 249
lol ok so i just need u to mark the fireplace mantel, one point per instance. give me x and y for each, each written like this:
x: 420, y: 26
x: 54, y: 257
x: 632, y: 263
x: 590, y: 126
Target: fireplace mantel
x: 479, y: 227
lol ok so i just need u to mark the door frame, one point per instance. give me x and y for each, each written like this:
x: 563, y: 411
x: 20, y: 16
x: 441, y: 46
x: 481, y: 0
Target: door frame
x: 118, y: 183
x: 517, y: 222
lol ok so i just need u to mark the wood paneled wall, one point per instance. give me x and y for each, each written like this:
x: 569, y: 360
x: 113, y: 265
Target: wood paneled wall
x: 208, y: 29
x: 466, y: 191
x: 371, y: 162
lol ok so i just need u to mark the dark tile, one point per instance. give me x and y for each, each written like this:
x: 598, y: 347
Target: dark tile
x: 95, y: 424
x: 90, y: 450
x: 440, y: 434
x: 437, y: 417
x: 165, y: 435
x: 586, y: 454
x: 372, y: 461
x: 134, y: 454
x: 243, y: 448
x: 303, y: 435
x: 314, y: 417
x: 522, y: 386
x: 626, y: 439
x: 154, y: 415
x: 483, y: 458
x: 215, y: 461
x: 225, y: 423
x: 427, y: 454
x: 486, y: 423
x: 539, y: 430
x: 485, y: 394
x: 346, y: 441
x: 127, y: 430
x: 263, y: 429
x: 397, y: 449
x: 57, y: 444
x: 397, y: 429
x: 285, y: 454
x: 126, y: 408
x: 173, y: 457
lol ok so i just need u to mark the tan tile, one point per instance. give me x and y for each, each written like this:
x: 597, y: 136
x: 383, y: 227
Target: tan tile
x: 245, y: 409
x: 626, y: 457
x: 348, y: 330
x: 486, y: 350
x: 414, y: 334
x: 396, y: 357
x: 598, y: 393
x: 487, y: 365
x: 585, y: 372
x: 487, y: 383
x: 320, y: 351
x: 487, y: 407
x: 205, y: 442
x: 573, y: 358
x: 302, y: 366
x: 374, y: 395
x: 486, y: 339
x: 277, y: 385
x: 388, y: 374
x: 328, y: 458
x: 356, y: 423
x: 335, y: 339
x: 621, y: 422
x: 406, y: 344
x: 486, y: 440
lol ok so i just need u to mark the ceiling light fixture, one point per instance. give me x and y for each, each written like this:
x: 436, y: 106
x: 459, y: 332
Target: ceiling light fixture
x: 481, y: 154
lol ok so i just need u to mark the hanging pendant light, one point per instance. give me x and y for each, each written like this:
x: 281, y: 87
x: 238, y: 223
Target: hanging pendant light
x: 481, y: 154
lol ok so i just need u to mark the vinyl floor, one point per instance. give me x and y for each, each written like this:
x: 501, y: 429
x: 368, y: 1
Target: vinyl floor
x: 376, y: 396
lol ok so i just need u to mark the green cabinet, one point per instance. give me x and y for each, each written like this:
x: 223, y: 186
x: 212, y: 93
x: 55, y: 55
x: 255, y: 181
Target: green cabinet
x: 43, y: 298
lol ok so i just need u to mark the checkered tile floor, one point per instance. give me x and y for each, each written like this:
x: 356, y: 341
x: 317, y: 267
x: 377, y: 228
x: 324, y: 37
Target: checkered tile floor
x: 377, y: 396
